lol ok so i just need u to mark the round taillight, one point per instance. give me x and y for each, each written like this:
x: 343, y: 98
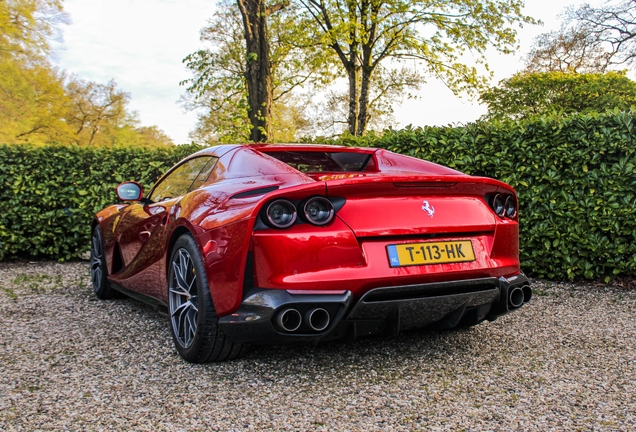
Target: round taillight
x: 498, y: 205
x: 318, y: 211
x: 281, y: 213
x: 511, y: 207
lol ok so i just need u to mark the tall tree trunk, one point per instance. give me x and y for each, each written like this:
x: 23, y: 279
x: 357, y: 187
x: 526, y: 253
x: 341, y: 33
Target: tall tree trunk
x: 257, y: 70
x: 353, y: 100
x: 363, y: 103
x: 353, y: 69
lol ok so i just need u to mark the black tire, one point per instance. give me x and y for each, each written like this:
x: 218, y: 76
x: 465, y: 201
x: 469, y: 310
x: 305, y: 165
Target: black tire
x: 193, y: 321
x: 99, y: 271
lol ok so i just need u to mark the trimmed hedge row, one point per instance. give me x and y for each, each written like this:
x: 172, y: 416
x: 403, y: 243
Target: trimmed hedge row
x: 575, y: 177
x: 49, y: 194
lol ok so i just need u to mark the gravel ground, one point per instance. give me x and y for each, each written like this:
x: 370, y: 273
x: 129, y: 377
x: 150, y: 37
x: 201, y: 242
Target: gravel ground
x: 68, y: 361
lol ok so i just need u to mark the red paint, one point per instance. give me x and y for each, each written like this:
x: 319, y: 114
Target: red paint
x: 383, y: 205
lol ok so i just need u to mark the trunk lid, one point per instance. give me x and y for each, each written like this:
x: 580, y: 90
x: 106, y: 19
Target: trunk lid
x: 416, y: 205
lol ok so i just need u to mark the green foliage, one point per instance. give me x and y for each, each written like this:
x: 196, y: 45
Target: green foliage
x: 27, y: 26
x: 218, y: 88
x: 51, y: 193
x: 39, y: 104
x: 386, y: 48
x: 530, y: 94
x: 575, y: 177
x: 32, y: 102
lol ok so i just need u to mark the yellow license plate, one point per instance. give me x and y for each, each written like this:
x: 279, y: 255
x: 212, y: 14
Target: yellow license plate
x: 408, y: 254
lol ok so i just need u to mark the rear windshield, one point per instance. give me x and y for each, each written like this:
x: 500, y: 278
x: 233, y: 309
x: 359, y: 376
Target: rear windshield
x: 316, y: 161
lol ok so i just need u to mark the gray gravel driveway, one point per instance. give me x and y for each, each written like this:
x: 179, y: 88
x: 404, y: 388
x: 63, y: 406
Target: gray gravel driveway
x: 68, y: 361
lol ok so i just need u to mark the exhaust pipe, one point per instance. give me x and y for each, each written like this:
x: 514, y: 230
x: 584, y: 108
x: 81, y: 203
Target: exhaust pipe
x: 515, y: 297
x: 527, y: 293
x: 317, y: 319
x: 289, y: 320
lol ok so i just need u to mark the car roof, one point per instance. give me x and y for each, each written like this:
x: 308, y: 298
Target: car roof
x: 311, y: 147
x: 220, y: 150
x: 387, y: 162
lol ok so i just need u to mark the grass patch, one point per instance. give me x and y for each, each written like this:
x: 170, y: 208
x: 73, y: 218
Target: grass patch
x: 12, y: 295
x: 38, y: 283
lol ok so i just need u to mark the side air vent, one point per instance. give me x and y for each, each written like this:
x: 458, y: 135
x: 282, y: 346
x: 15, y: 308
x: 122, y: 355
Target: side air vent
x: 254, y: 192
x: 118, y: 263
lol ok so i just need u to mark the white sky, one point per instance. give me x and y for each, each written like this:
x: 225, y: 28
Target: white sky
x: 141, y: 43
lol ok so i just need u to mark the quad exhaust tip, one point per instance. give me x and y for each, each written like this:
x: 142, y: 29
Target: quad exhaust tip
x: 317, y: 319
x: 289, y: 320
x: 527, y: 293
x: 515, y: 297
x: 519, y: 295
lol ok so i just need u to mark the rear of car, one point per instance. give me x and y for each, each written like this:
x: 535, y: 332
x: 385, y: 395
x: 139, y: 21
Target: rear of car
x: 378, y: 243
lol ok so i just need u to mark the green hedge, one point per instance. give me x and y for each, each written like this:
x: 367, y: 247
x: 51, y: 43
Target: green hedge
x: 50, y: 193
x: 575, y: 177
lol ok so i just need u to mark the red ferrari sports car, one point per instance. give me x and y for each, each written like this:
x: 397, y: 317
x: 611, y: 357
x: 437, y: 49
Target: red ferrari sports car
x: 272, y: 244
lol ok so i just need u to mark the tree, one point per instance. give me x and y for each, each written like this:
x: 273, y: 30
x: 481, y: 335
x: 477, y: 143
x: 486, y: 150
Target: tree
x: 371, y: 37
x: 219, y: 87
x: 591, y: 40
x: 387, y: 87
x: 96, y: 111
x: 133, y: 135
x: 257, y: 67
x: 39, y: 104
x: 32, y: 97
x: 98, y: 115
x: 531, y: 94
x: 568, y: 50
x: 27, y: 26
x: 613, y: 24
x: 32, y: 103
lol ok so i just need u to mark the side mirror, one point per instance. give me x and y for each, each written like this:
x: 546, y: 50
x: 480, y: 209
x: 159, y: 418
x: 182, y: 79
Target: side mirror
x: 130, y: 191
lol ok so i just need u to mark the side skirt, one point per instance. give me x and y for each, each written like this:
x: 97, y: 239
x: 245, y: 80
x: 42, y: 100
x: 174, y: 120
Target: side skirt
x: 157, y: 304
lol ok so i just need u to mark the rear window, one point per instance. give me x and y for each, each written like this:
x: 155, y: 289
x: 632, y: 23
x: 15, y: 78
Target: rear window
x: 317, y: 161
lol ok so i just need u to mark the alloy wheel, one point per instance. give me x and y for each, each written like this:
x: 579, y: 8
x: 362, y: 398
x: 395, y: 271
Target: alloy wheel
x: 96, y: 261
x: 183, y: 298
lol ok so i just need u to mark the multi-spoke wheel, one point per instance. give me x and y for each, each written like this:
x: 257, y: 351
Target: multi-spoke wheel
x: 98, y: 267
x: 183, y: 298
x: 193, y: 320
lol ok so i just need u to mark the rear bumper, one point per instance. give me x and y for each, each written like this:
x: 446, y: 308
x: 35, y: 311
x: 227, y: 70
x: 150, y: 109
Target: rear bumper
x: 380, y: 311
